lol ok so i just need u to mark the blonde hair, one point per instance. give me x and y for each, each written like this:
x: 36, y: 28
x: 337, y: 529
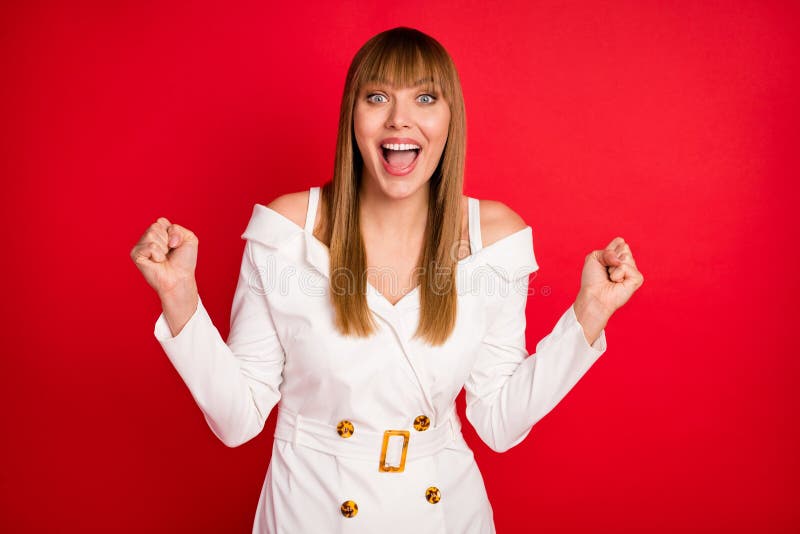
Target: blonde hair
x: 402, y: 57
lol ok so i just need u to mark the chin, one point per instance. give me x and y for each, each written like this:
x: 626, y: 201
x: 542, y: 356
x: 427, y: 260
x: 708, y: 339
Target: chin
x: 399, y: 187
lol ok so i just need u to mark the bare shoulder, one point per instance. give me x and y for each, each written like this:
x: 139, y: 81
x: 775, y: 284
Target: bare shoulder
x: 498, y: 221
x: 293, y: 206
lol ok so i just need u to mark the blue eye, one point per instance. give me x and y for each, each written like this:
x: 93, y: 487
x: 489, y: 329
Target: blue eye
x: 430, y: 99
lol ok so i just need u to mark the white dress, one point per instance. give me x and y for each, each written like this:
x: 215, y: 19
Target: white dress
x: 339, y: 395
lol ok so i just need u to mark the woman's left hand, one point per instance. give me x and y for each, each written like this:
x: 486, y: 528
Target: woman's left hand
x: 610, y: 276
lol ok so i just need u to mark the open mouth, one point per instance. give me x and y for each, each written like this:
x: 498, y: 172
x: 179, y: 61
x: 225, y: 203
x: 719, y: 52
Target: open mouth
x: 400, y: 159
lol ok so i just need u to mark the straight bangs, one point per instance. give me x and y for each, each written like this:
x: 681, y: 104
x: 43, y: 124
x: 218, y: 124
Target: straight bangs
x: 406, y: 63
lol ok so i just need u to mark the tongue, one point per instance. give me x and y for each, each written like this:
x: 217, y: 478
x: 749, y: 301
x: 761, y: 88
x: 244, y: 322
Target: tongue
x: 400, y: 159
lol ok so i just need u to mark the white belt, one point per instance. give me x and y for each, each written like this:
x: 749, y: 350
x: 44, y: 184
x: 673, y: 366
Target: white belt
x: 389, y: 449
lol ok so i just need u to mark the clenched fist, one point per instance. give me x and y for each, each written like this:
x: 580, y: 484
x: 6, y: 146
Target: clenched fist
x: 166, y: 255
x: 611, y: 275
x: 608, y: 280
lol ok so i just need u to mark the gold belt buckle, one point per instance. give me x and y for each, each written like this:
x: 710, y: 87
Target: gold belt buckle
x: 388, y: 468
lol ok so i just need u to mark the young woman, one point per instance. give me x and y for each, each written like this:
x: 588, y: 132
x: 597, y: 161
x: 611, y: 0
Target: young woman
x: 365, y: 305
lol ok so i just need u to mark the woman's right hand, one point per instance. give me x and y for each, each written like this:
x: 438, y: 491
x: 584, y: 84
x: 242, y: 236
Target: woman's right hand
x: 166, y: 255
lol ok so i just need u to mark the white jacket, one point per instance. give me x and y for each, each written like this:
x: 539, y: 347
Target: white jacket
x: 339, y: 395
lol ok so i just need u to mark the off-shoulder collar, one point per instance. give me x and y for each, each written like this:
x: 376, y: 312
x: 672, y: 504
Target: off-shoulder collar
x: 511, y: 257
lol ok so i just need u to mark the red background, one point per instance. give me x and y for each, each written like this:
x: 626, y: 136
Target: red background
x: 672, y: 124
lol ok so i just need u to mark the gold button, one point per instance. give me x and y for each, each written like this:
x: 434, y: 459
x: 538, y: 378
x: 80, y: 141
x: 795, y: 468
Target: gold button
x: 345, y: 429
x: 433, y: 495
x: 422, y: 422
x: 349, y: 508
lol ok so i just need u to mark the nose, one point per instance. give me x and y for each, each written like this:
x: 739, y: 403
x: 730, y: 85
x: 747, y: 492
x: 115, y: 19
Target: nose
x: 399, y: 115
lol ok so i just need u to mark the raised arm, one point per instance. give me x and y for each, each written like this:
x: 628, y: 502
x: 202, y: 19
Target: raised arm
x: 235, y: 383
x: 508, y: 390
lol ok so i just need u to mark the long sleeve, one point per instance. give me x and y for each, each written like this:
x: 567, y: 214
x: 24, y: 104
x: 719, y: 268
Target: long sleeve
x: 508, y: 390
x: 235, y: 383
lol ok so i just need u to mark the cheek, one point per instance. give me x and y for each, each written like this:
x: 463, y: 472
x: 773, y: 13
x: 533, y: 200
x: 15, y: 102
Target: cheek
x: 438, y: 125
x: 358, y: 122
x: 360, y: 131
x: 366, y: 124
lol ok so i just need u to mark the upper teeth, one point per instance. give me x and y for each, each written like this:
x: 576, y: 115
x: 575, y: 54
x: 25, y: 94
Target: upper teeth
x: 402, y: 146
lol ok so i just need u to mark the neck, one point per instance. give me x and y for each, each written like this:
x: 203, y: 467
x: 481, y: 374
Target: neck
x: 397, y: 220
